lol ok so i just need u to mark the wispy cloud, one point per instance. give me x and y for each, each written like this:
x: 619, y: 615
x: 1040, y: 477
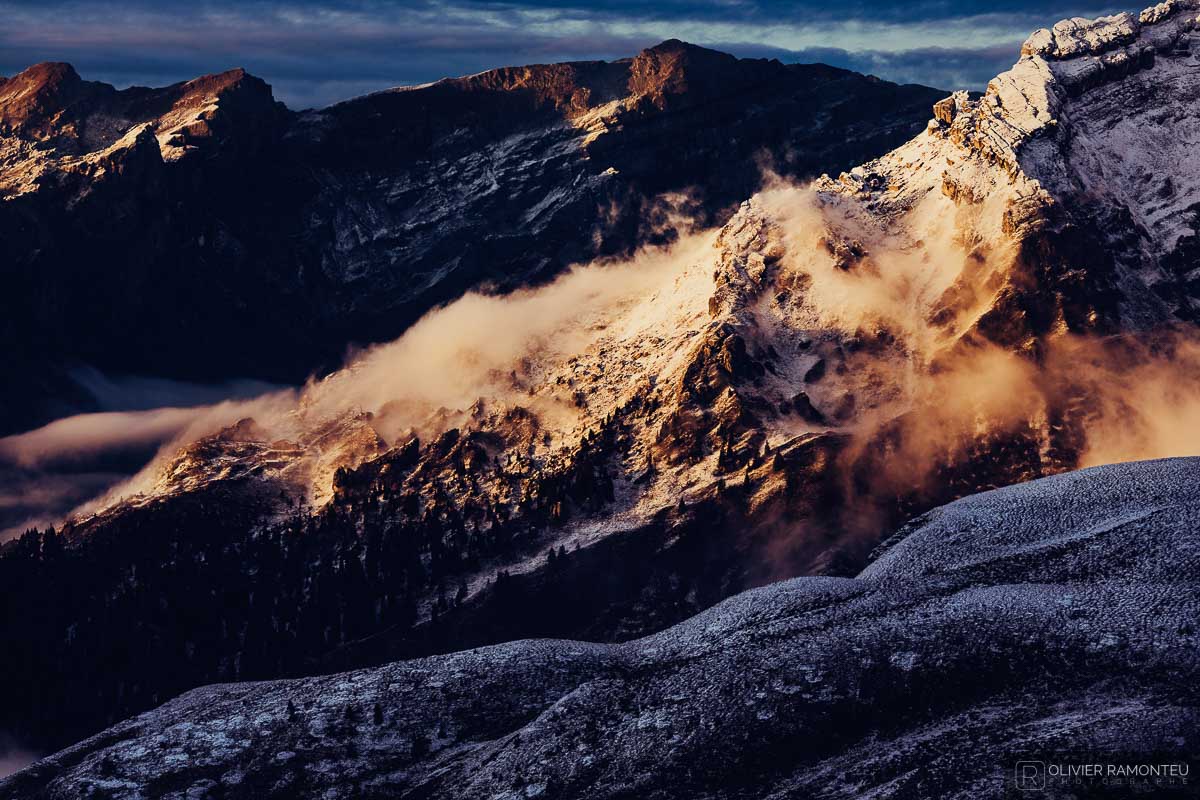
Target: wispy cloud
x: 44, y: 473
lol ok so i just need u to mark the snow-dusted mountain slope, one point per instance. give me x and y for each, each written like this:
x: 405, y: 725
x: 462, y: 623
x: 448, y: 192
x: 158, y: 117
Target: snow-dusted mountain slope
x: 1085, y: 143
x: 203, y: 231
x: 600, y: 457
x: 1053, y: 621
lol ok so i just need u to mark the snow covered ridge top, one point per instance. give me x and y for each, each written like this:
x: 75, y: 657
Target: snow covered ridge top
x: 1075, y: 37
x: 1026, y: 121
x: 1063, y: 62
x: 1091, y: 126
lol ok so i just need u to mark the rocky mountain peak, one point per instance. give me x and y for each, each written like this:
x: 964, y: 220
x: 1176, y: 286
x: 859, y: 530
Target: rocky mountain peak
x: 51, y: 100
x: 1079, y: 37
x: 48, y: 75
x: 1081, y: 148
x: 675, y: 70
x: 1060, y: 64
x: 1077, y: 55
x: 30, y: 99
x: 671, y: 69
x: 78, y: 123
x: 567, y: 88
x: 221, y: 80
x: 1070, y: 38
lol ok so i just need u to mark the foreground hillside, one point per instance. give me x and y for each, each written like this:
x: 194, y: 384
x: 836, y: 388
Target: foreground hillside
x: 203, y: 231
x: 1038, y: 621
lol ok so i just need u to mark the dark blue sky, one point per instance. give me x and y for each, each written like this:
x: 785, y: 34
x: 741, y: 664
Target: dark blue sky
x: 315, y: 52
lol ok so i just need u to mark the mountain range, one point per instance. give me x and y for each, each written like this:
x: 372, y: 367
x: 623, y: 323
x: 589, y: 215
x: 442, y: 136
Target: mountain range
x: 203, y: 231
x: 760, y: 377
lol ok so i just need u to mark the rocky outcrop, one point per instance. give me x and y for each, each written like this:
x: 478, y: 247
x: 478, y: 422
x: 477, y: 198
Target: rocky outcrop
x: 203, y: 231
x: 1053, y: 621
x: 1084, y: 129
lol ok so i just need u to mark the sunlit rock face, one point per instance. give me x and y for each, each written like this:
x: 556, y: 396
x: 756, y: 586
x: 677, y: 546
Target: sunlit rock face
x: 996, y: 300
x: 1043, y: 620
x: 204, y: 231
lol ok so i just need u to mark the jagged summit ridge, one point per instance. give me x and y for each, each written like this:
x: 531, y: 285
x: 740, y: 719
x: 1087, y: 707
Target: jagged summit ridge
x: 57, y: 129
x: 26, y: 93
x: 670, y: 68
x: 1072, y: 38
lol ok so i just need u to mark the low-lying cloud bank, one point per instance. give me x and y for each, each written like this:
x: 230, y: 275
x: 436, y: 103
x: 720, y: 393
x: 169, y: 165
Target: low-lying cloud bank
x: 478, y: 346
x: 942, y: 392
x: 48, y: 472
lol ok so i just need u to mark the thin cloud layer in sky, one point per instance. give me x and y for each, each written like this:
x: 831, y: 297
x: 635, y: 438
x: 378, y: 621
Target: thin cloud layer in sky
x: 315, y: 52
